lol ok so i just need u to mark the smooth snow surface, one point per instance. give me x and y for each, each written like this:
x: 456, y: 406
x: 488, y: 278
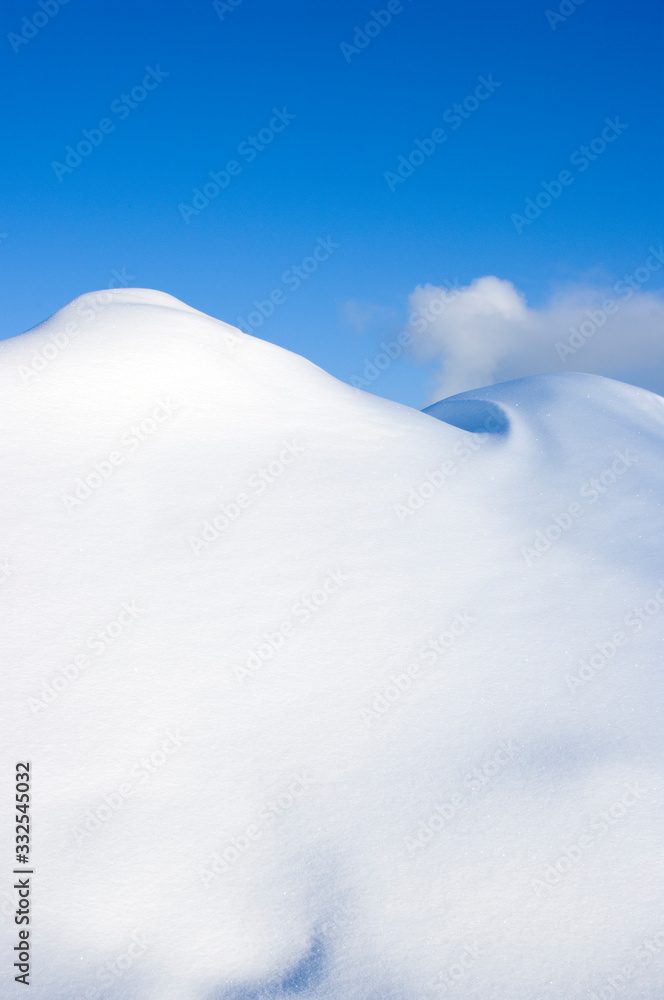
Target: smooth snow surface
x: 324, y: 696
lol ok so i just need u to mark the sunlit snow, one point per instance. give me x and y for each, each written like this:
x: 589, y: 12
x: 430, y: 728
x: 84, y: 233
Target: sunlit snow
x: 325, y: 696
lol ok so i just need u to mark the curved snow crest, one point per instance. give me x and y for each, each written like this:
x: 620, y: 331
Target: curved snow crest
x: 118, y: 305
x: 531, y: 395
x: 475, y: 415
x: 369, y: 699
x: 138, y: 296
x: 556, y: 413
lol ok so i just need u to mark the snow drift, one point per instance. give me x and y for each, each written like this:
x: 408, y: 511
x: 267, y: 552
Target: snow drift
x: 324, y: 695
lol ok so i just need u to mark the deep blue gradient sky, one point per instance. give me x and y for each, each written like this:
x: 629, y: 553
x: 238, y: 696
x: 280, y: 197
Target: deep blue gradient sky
x: 323, y: 175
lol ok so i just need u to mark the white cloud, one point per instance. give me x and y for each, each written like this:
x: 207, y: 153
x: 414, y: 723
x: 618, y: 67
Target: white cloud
x: 487, y: 333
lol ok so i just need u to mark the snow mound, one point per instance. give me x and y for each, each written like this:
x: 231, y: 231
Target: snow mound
x: 323, y: 696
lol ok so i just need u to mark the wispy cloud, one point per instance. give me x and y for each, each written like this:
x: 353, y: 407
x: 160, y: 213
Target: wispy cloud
x: 488, y: 332
x: 363, y: 316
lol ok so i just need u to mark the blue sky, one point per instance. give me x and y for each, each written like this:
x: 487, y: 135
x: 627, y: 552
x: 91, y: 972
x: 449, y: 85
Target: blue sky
x: 350, y: 106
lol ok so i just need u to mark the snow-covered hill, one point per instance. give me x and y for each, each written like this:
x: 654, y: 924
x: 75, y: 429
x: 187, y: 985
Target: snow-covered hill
x: 323, y: 695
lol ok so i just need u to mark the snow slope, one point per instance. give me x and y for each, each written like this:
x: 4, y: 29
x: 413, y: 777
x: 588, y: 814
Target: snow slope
x: 323, y: 695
